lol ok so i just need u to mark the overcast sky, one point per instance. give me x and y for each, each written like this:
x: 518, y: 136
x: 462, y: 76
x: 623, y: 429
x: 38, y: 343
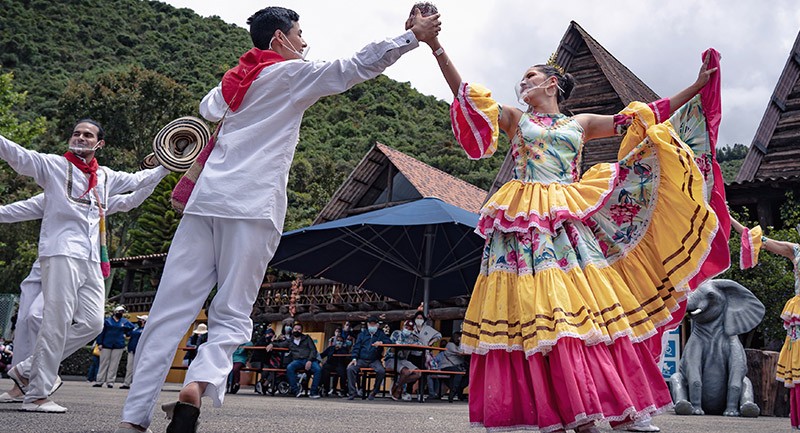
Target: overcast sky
x: 493, y: 42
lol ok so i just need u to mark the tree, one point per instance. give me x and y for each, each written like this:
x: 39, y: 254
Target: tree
x: 772, y: 280
x: 18, y: 243
x: 132, y: 104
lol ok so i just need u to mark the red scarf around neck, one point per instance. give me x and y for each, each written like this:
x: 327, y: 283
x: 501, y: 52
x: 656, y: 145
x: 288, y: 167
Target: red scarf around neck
x: 238, y: 79
x: 90, y: 168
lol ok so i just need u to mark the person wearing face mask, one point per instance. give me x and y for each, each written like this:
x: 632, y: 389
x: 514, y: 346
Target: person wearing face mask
x: 583, y: 271
x: 367, y: 354
x: 72, y: 251
x: 336, y: 364
x: 111, y: 342
x: 427, y: 336
x: 304, y: 357
x: 404, y: 367
x: 235, y: 210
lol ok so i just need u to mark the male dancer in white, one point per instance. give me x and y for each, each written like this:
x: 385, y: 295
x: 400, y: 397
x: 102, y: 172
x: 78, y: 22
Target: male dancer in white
x: 31, y: 301
x: 69, y: 251
x: 234, y: 216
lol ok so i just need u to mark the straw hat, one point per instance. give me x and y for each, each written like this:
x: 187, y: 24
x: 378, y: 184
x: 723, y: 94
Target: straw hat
x: 201, y: 329
x: 179, y: 143
x: 149, y: 161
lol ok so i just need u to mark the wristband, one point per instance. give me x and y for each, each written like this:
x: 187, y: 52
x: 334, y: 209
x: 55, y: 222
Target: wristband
x: 438, y: 52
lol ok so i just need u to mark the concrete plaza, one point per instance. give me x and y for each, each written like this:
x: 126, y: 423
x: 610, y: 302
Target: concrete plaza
x: 98, y: 410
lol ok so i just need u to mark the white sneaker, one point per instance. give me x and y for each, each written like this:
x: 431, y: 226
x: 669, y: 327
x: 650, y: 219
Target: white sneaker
x: 406, y: 396
x: 130, y: 430
x: 7, y: 398
x: 48, y: 407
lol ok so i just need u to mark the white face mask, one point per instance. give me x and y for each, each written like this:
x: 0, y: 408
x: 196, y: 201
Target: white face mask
x: 419, y: 322
x: 291, y: 48
x: 83, y: 146
x: 524, y: 86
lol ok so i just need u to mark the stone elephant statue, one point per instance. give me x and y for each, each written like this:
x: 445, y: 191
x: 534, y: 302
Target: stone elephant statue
x: 712, y: 373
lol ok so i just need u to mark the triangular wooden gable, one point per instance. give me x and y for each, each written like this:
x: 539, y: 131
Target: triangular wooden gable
x: 775, y: 150
x: 603, y: 86
x: 387, y: 177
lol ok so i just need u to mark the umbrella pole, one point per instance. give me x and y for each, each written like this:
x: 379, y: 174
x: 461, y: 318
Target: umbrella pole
x: 426, y: 279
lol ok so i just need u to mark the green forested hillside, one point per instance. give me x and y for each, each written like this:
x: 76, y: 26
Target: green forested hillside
x: 120, y: 60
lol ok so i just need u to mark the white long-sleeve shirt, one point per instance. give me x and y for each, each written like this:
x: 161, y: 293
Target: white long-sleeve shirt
x: 70, y: 222
x: 247, y: 172
x: 33, y: 209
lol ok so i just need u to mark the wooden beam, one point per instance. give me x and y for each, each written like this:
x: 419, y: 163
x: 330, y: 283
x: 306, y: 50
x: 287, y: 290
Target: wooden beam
x: 449, y: 313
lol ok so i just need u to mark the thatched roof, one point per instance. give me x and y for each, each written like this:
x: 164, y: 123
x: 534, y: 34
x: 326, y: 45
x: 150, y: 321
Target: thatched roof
x: 603, y: 86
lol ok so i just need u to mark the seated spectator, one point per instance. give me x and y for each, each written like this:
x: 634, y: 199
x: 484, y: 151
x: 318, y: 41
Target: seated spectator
x: 199, y: 336
x: 239, y: 357
x: 285, y: 335
x: 260, y: 358
x: 304, y: 356
x: 335, y: 363
x: 405, y: 367
x: 6, y: 353
x: 336, y: 333
x: 433, y: 384
x: 366, y: 354
x: 453, y: 360
x: 347, y: 330
x: 428, y: 336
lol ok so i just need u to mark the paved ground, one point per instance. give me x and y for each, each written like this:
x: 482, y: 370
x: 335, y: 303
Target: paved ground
x: 98, y: 409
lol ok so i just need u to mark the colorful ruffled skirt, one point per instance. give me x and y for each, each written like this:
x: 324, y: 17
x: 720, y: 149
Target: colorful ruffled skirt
x: 789, y: 358
x: 577, y: 279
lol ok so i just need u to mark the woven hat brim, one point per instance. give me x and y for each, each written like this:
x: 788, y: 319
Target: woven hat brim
x: 188, y: 131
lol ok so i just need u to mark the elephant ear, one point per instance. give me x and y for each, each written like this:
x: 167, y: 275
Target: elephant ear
x: 744, y: 310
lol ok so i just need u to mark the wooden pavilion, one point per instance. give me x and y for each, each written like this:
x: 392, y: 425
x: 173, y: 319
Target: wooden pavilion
x: 772, y: 165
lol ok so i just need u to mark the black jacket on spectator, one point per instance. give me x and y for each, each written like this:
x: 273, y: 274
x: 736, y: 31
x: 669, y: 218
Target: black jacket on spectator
x: 306, y: 350
x: 363, y: 348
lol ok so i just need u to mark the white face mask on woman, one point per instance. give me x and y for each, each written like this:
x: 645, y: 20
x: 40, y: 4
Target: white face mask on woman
x: 524, y: 86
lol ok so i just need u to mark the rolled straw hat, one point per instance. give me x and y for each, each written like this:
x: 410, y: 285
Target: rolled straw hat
x: 149, y: 161
x: 179, y: 143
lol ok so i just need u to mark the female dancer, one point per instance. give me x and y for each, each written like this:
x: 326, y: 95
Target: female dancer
x: 789, y: 358
x: 579, y: 270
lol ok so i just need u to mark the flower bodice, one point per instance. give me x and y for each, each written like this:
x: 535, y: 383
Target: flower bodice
x: 547, y: 148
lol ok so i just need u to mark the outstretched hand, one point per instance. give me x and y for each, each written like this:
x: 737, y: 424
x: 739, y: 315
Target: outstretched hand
x: 705, y: 74
x: 424, y: 28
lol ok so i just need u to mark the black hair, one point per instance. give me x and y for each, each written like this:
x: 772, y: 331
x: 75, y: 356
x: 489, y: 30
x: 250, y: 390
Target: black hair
x: 420, y: 313
x: 264, y: 23
x: 100, y: 133
x: 298, y: 324
x: 566, y: 82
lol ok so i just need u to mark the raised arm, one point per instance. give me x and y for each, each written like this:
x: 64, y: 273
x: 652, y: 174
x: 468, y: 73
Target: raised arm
x: 26, y: 162
x: 126, y: 202
x: 599, y: 126
x: 119, y: 182
x: 25, y: 210
x: 774, y: 246
x: 509, y: 115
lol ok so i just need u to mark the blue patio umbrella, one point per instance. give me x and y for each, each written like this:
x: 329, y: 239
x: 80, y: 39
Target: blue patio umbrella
x: 414, y: 252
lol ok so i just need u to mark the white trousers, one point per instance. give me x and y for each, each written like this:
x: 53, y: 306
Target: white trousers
x: 29, y: 314
x: 109, y: 365
x: 74, y: 297
x: 129, y: 369
x: 206, y: 251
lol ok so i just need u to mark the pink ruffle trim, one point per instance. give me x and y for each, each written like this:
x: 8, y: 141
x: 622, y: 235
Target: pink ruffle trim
x: 494, y: 216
